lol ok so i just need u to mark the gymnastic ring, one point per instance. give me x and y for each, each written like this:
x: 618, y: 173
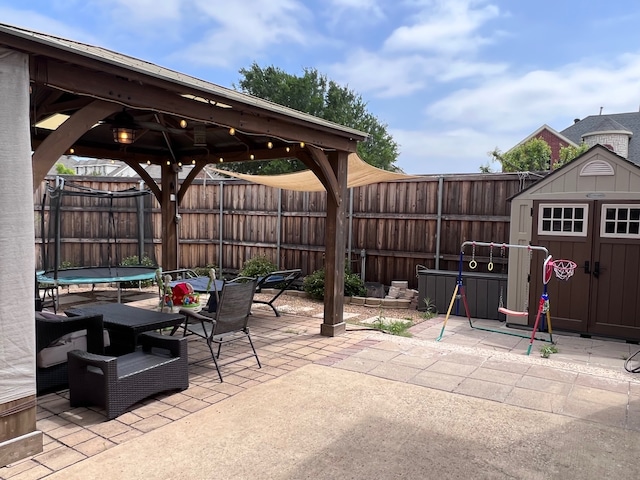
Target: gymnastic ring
x: 490, y: 266
x: 473, y: 264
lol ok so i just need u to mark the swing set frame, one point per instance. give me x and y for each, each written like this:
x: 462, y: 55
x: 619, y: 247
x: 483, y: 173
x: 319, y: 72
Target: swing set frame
x: 543, y: 304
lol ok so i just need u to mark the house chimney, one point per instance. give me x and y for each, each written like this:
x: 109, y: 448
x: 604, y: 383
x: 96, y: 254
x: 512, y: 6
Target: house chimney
x: 601, y: 110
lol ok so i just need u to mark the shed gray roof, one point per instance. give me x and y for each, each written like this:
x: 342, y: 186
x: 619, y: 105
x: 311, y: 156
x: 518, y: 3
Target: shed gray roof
x: 629, y: 122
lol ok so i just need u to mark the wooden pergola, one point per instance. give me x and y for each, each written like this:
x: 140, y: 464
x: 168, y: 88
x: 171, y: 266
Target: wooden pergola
x: 177, y: 120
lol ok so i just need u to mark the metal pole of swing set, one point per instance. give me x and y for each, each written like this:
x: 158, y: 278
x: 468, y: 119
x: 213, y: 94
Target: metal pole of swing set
x: 453, y: 297
x: 459, y: 282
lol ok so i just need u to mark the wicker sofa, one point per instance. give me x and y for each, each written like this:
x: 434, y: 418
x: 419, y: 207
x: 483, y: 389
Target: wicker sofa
x: 116, y: 383
x: 56, y: 335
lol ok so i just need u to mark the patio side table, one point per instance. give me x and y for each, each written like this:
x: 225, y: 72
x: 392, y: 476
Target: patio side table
x: 125, y: 323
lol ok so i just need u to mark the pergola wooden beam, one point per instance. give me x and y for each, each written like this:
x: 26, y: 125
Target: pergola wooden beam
x: 58, y: 142
x: 147, y: 97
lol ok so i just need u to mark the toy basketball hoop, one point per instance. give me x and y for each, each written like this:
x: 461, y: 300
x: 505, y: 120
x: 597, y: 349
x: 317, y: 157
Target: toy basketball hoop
x: 564, y: 268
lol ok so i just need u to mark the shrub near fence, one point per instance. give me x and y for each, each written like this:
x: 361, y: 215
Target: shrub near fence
x: 397, y: 225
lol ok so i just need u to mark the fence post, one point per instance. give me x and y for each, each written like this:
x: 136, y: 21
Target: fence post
x: 279, y: 227
x: 221, y: 223
x: 350, y: 233
x: 439, y: 220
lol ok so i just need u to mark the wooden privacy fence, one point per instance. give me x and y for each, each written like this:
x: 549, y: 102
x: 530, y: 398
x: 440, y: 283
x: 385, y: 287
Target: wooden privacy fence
x: 392, y: 227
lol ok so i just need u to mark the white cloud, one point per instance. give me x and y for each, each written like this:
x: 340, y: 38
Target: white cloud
x: 459, y: 150
x: 448, y: 27
x: 32, y: 20
x: 237, y: 31
x: 513, y: 103
x: 437, y: 45
x: 353, y: 11
x: 142, y: 12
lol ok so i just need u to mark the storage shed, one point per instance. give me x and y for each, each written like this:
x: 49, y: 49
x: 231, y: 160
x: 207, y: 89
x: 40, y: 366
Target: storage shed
x: 587, y: 211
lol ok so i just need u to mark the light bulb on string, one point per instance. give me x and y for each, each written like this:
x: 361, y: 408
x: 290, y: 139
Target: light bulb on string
x: 232, y: 131
x: 301, y: 144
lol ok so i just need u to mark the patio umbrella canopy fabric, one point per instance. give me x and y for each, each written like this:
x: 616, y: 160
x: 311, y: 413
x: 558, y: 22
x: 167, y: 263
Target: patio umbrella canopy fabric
x: 359, y: 173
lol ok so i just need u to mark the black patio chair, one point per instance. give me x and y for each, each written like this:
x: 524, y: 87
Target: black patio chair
x: 228, y: 323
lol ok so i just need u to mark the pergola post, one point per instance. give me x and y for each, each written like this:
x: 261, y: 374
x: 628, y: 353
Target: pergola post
x: 169, y: 208
x: 333, y: 324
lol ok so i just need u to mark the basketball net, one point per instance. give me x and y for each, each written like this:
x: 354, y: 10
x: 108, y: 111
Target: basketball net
x: 564, y: 269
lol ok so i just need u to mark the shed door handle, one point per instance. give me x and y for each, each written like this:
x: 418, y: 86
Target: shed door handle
x: 586, y: 267
x: 596, y: 269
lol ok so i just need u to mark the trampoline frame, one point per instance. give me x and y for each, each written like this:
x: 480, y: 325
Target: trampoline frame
x: 51, y: 278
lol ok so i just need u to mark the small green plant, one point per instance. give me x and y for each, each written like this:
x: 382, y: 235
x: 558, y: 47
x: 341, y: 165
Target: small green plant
x: 313, y: 284
x: 257, y: 267
x: 430, y: 309
x: 204, y: 271
x: 547, y: 350
x: 133, y: 261
x: 66, y: 264
x: 395, y: 327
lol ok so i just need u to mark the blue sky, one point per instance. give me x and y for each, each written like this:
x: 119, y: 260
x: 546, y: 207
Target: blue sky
x: 452, y: 79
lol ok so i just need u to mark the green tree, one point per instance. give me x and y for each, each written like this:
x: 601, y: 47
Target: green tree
x: 316, y: 95
x: 62, y: 170
x: 531, y: 156
x: 570, y: 152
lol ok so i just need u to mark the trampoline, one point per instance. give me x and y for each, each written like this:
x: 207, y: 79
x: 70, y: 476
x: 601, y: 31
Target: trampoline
x: 96, y: 275
x: 116, y: 225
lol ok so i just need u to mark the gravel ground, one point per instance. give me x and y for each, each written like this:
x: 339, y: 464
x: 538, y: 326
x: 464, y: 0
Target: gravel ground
x: 298, y: 305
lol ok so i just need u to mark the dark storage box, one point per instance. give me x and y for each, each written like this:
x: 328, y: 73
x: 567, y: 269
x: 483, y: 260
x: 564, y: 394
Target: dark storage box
x: 482, y: 290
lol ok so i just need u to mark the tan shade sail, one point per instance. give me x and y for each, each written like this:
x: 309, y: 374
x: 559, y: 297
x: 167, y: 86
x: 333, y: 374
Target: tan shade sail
x: 359, y: 173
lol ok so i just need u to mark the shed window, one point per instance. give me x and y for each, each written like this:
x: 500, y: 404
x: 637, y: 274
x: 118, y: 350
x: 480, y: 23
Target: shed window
x: 620, y: 221
x: 563, y: 219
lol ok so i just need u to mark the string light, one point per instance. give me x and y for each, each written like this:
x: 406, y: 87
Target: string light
x: 183, y: 123
x: 232, y: 131
x: 269, y: 145
x: 301, y: 144
x: 221, y: 160
x: 251, y: 157
x: 288, y: 149
x: 193, y: 162
x: 180, y: 164
x: 148, y: 162
x: 168, y: 163
x: 71, y: 151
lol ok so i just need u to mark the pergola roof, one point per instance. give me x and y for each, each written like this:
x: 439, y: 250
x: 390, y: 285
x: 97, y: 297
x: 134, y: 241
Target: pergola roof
x: 69, y: 75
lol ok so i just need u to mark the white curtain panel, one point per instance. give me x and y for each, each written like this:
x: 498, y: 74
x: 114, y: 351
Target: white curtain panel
x: 17, y: 236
